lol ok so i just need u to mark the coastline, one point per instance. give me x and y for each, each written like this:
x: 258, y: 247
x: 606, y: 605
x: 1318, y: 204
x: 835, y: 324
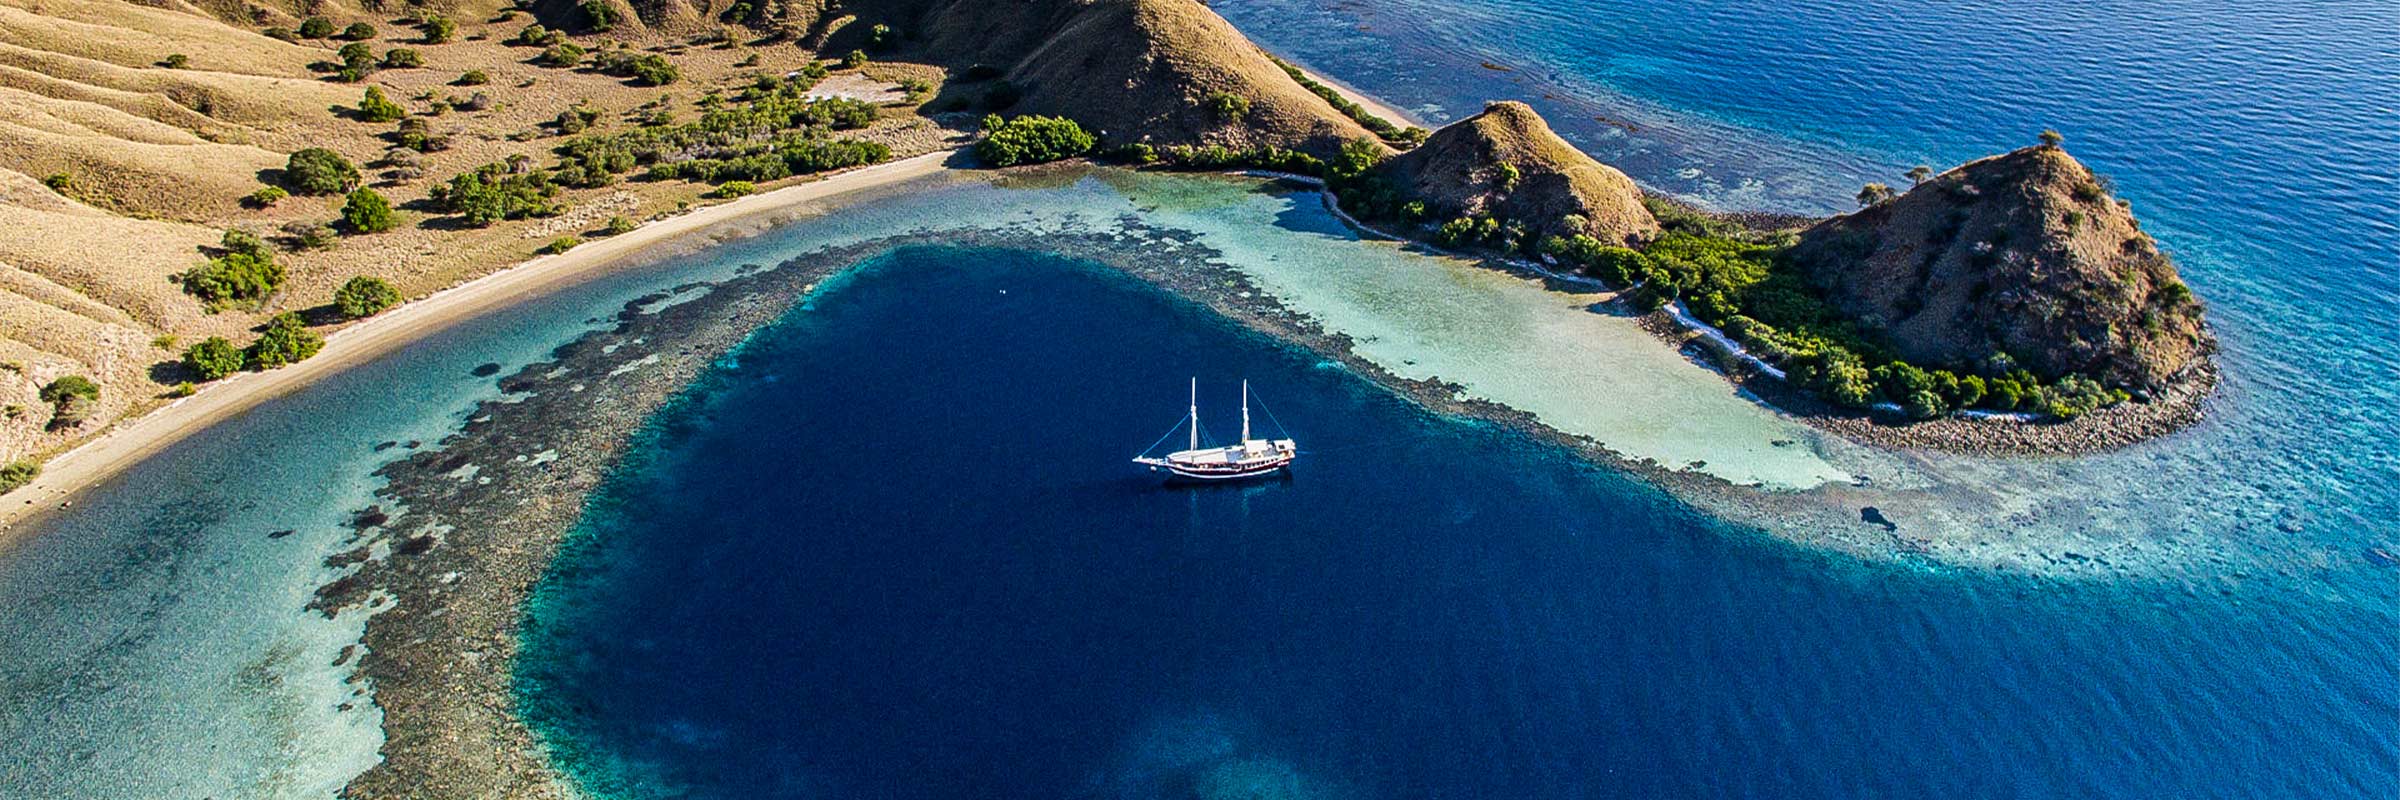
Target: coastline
x: 131, y: 441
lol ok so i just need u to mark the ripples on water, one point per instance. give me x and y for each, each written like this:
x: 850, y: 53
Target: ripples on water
x: 2257, y: 140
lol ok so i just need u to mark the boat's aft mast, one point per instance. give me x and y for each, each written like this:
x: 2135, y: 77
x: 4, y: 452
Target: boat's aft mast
x: 1195, y: 413
x: 1245, y: 410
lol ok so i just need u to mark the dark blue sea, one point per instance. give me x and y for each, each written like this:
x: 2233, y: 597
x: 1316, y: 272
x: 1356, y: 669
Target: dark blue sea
x: 891, y: 549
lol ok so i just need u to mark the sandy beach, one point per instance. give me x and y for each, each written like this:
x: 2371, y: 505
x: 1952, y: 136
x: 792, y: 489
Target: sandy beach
x: 135, y: 439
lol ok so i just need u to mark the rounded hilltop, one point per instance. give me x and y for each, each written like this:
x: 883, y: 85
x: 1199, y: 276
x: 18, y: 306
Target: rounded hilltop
x: 1506, y: 163
x: 2023, y: 256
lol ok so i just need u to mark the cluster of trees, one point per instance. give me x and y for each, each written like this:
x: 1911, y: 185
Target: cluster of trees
x: 536, y: 36
x: 286, y: 339
x: 1382, y: 128
x: 498, y: 191
x: 1746, y: 289
x: 772, y: 130
x: 646, y: 69
x: 1032, y: 139
x: 243, y: 271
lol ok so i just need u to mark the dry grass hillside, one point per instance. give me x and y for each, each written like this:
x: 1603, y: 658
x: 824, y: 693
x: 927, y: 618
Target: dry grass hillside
x: 120, y: 170
x: 2023, y: 253
x: 1506, y: 163
x: 1130, y: 70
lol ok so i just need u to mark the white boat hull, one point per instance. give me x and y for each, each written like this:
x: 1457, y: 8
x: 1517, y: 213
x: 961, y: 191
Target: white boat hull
x: 1249, y: 459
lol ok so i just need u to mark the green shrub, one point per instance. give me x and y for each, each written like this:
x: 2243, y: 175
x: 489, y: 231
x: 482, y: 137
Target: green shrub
x: 246, y: 272
x: 358, y: 56
x: 375, y: 107
x: 164, y: 341
x: 473, y: 77
x: 365, y: 296
x: 536, y: 36
x: 214, y: 358
x: 1228, y: 106
x: 183, y: 389
x: 266, y: 197
x: 854, y: 59
x: 599, y: 16
x: 358, y: 32
x: 647, y: 69
x: 62, y: 183
x: 620, y: 225
x: 402, y: 58
x: 561, y: 56
x: 439, y: 29
x: 367, y: 212
x: 882, y: 37
x: 287, y: 340
x: 70, y: 386
x: 316, y: 28
x: 18, y: 473
x: 72, y: 400
x: 316, y: 170
x: 732, y: 189
x: 175, y: 61
x: 560, y: 245
x: 1033, y: 140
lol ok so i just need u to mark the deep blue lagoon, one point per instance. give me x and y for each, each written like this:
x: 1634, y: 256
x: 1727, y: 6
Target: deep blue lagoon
x: 892, y: 548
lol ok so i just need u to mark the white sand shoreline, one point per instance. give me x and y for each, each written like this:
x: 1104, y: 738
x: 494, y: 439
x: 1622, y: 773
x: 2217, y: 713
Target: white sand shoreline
x: 130, y: 441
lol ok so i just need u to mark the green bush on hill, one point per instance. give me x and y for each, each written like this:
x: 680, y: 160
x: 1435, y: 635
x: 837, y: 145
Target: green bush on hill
x: 316, y: 170
x: 18, y: 473
x: 403, y: 58
x: 358, y: 32
x: 439, y: 29
x: 599, y: 16
x: 375, y: 107
x: 646, y: 69
x: 1032, y: 139
x: 316, y: 28
x: 560, y: 56
x: 214, y: 358
x: 287, y: 340
x: 247, y: 271
x: 367, y: 212
x: 365, y: 296
x: 72, y: 400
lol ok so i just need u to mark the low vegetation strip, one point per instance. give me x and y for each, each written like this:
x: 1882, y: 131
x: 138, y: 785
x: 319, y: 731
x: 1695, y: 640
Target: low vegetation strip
x: 1396, y: 135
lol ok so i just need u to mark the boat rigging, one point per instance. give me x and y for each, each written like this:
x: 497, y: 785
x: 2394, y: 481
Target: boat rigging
x: 1245, y: 458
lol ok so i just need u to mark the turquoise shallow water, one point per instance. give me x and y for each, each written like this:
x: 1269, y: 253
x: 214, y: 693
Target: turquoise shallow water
x: 892, y: 549
x: 2254, y: 140
x: 1497, y: 620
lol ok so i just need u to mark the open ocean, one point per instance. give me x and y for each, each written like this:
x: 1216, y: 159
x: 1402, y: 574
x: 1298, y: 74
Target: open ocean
x: 892, y: 547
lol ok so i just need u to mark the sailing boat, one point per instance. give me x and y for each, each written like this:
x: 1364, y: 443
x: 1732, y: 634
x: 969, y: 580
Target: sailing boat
x: 1247, y: 458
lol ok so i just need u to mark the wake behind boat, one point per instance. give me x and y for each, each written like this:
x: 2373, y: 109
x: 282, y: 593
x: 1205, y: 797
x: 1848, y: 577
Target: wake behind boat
x: 1246, y: 458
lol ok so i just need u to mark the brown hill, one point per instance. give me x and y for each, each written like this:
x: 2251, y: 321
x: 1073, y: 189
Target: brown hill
x: 1506, y: 163
x: 2023, y: 254
x: 1131, y: 70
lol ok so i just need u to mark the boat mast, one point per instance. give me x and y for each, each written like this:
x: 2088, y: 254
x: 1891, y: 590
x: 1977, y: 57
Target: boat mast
x: 1245, y: 409
x: 1195, y: 413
